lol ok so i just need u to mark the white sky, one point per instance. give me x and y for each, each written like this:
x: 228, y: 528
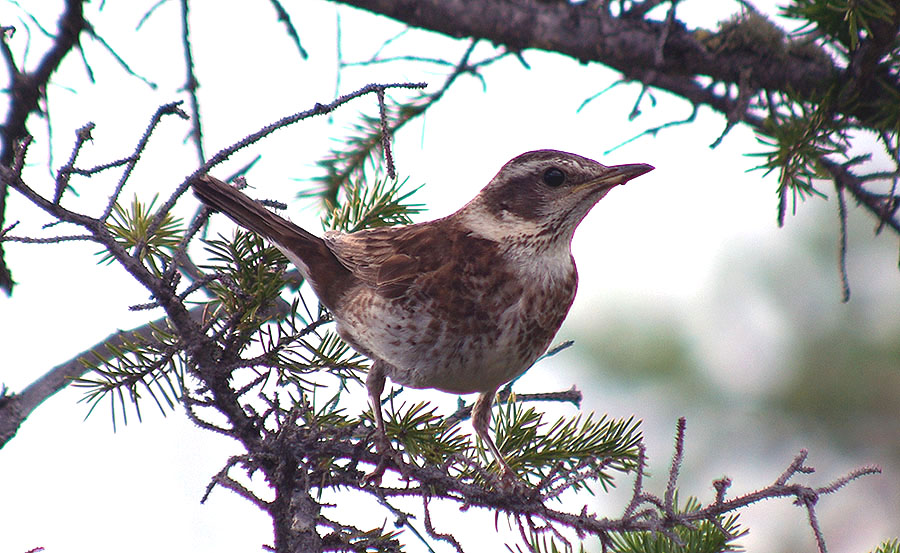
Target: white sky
x: 662, y: 240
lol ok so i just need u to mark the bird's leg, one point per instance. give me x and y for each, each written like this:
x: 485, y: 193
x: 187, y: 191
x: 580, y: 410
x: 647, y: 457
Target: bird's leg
x: 375, y: 386
x: 481, y: 418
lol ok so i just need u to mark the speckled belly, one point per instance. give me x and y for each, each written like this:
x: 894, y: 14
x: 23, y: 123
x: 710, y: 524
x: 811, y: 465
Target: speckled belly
x: 476, y: 344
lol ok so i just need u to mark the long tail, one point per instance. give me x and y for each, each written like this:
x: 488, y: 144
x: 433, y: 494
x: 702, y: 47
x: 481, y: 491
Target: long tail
x: 307, y: 252
x: 247, y: 213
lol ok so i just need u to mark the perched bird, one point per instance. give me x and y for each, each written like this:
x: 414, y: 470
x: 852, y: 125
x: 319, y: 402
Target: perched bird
x: 462, y: 304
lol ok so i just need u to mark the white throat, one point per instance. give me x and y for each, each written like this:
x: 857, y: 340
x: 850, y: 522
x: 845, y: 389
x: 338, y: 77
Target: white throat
x: 535, y: 253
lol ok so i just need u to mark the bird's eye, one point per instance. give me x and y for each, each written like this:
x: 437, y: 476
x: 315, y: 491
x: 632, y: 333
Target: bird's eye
x: 554, y: 177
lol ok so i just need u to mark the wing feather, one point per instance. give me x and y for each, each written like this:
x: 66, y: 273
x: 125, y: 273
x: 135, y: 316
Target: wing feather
x: 393, y: 259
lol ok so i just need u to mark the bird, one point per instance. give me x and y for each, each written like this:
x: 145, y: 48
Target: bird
x: 462, y: 304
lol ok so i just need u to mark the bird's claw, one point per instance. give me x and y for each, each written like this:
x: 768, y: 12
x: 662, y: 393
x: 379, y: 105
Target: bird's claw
x: 387, y: 455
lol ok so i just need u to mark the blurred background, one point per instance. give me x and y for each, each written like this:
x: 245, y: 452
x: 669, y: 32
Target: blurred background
x: 691, y: 301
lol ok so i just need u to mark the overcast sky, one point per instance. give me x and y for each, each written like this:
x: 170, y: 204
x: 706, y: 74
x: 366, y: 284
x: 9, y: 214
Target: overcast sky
x: 662, y: 240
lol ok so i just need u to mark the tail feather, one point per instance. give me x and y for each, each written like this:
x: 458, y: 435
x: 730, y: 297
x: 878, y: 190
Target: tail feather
x: 246, y: 212
x: 308, y: 252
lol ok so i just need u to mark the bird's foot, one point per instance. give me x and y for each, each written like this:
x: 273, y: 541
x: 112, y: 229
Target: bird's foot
x: 509, y: 482
x: 387, y: 456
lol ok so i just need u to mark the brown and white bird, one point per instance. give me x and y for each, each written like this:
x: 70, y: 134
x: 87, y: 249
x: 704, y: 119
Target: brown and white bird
x: 461, y: 304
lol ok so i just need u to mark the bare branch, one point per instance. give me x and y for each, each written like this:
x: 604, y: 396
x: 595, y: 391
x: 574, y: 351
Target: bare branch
x: 27, y: 90
x: 385, y: 136
x: 842, y: 251
x: 626, y: 44
x: 222, y: 155
x: 222, y: 479
x: 285, y: 18
x: 82, y: 135
x: 677, y: 458
x: 191, y: 85
x: 89, y: 29
x: 429, y: 527
x: 19, y: 406
x: 173, y: 108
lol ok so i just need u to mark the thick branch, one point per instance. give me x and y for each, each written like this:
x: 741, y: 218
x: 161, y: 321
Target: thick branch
x: 438, y: 482
x: 16, y: 408
x: 626, y: 44
x: 28, y: 88
x: 197, y: 344
x: 633, y: 46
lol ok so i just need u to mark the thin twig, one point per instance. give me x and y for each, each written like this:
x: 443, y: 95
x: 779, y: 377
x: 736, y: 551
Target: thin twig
x: 844, y: 480
x: 222, y: 479
x: 677, y: 459
x: 49, y: 240
x: 148, y: 13
x: 655, y: 130
x: 89, y: 29
x: 100, y: 168
x: 658, y: 58
x: 842, y: 250
x: 191, y: 83
x: 638, y: 488
x: 385, y: 136
x: 285, y: 18
x: 418, y: 106
x: 741, y: 104
x: 403, y: 519
x: 82, y: 135
x: 572, y: 395
x: 222, y: 155
x: 172, y: 108
x: 810, y: 504
x: 429, y: 527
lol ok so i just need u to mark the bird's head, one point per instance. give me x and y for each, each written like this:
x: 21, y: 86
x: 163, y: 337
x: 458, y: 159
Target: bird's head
x: 545, y: 193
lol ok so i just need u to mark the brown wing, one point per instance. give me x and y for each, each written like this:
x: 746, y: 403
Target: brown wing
x: 391, y: 260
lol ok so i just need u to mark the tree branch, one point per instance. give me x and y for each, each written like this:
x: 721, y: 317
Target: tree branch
x: 27, y: 89
x: 645, y: 513
x: 15, y: 408
x: 666, y: 55
x: 626, y: 44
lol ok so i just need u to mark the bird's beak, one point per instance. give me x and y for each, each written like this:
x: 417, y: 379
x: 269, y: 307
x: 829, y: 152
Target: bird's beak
x: 620, y: 174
